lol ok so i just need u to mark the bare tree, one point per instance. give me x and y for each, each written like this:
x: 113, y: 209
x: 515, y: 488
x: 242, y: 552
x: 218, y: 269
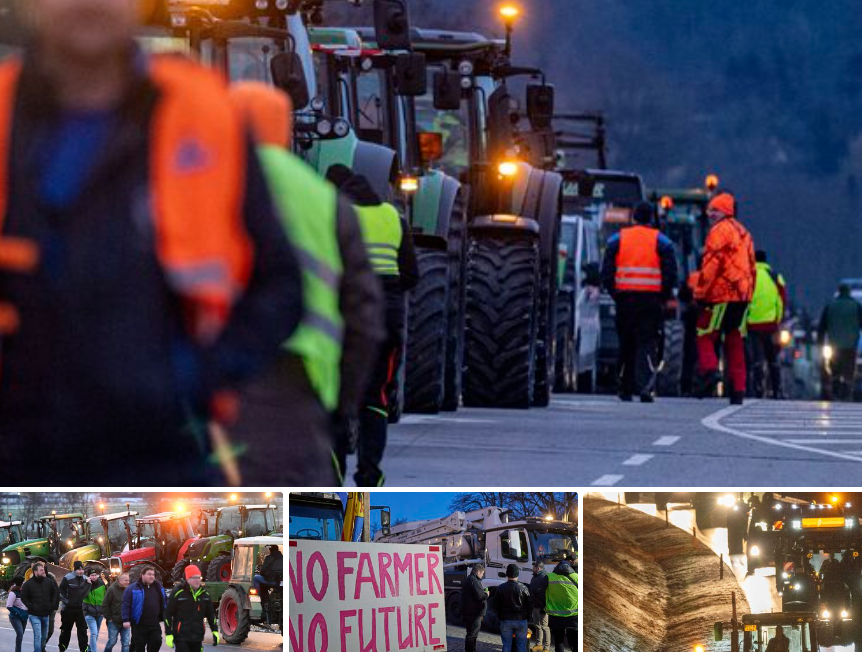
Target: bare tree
x: 561, y: 505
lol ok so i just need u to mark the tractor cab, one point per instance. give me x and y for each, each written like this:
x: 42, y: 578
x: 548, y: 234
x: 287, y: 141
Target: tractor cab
x: 166, y: 533
x: 682, y: 217
x: 112, y: 532
x: 799, y: 628
x: 64, y: 532
x: 316, y: 516
x: 11, y: 532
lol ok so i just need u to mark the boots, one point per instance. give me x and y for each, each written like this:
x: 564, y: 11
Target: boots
x: 707, y: 384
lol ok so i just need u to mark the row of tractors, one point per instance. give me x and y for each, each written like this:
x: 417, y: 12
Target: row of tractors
x: 167, y: 542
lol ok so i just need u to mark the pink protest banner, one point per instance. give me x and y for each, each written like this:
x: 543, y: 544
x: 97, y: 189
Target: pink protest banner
x: 365, y: 597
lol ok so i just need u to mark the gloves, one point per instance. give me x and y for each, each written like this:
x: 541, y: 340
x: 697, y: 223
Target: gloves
x: 216, y: 638
x: 169, y: 640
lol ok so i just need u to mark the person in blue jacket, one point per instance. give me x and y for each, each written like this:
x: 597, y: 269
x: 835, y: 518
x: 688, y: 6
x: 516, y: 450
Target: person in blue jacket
x: 143, y: 610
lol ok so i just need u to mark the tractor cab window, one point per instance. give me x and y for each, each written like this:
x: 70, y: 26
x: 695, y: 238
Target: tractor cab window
x: 116, y: 534
x: 243, y: 563
x: 256, y: 525
x: 66, y: 529
x: 230, y: 521
x: 453, y: 126
x: 315, y: 523
x: 798, y: 635
x: 146, y: 535
x: 6, y: 536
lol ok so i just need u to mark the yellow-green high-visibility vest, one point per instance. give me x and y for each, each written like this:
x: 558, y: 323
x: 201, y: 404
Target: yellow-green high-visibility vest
x: 561, y: 598
x: 308, y: 208
x: 766, y: 304
x: 382, y: 234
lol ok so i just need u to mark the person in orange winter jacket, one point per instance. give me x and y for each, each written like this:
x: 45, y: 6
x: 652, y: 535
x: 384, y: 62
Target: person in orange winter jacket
x: 724, y: 290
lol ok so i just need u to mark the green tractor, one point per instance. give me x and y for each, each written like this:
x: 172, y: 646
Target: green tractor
x: 213, y: 552
x: 105, y: 536
x: 11, y: 532
x: 57, y: 534
x: 238, y: 604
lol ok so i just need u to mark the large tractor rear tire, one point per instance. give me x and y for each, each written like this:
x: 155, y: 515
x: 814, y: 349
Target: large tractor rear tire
x: 427, y: 333
x: 457, y: 296
x: 24, y: 570
x: 502, y: 291
x: 219, y: 569
x: 137, y: 570
x: 233, y: 618
x: 564, y: 367
x: 179, y: 571
x: 670, y: 379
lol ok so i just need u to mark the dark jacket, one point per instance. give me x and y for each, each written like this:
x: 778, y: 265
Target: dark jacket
x: 841, y: 322
x: 41, y: 596
x: 104, y: 345
x: 133, y: 602
x: 667, y: 257
x: 512, y: 601
x: 538, y: 588
x: 73, y: 590
x: 187, y: 609
x: 112, y: 605
x: 273, y: 567
x: 474, y: 600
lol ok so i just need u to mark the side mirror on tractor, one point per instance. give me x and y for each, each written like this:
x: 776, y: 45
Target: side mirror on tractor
x: 289, y: 75
x: 447, y: 91
x: 540, y: 105
x: 411, y: 74
x: 392, y: 24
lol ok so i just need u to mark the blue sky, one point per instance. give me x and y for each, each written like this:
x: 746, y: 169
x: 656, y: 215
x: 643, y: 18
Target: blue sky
x: 413, y: 505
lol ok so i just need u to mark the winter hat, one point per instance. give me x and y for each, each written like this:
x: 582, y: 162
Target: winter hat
x: 723, y: 203
x: 192, y: 570
x: 78, y: 565
x: 512, y: 570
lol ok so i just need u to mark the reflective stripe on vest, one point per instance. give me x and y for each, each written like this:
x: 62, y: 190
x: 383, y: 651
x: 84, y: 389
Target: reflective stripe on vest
x: 308, y: 208
x: 766, y: 304
x: 197, y: 167
x: 382, y: 233
x: 561, y: 598
x: 638, y: 262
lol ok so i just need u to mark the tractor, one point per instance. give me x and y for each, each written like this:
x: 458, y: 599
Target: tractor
x: 10, y: 532
x: 213, y: 552
x: 160, y: 541
x: 238, y: 604
x: 57, y: 534
x: 104, y: 536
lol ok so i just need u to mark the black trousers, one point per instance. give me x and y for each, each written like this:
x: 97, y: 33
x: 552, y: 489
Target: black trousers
x: 843, y: 380
x: 564, y: 630
x: 763, y: 350
x: 70, y: 618
x: 146, y: 638
x: 639, y: 321
x: 473, y: 624
x: 188, y: 646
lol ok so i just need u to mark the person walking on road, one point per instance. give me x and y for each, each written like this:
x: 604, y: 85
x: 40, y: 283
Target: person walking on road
x: 724, y: 290
x: 42, y: 599
x: 189, y: 606
x: 764, y: 323
x: 561, y: 603
x: 513, y: 606
x: 18, y: 615
x: 324, y: 367
x: 639, y: 271
x: 93, y: 615
x: 144, y: 275
x: 474, y: 603
x: 538, y: 589
x: 73, y: 589
x: 112, y: 609
x: 143, y: 611
x: 839, y: 328
x: 389, y: 243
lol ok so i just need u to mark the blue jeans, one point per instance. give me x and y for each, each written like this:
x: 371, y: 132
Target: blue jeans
x: 39, y: 624
x: 114, y: 631
x: 94, y: 624
x: 19, y: 626
x: 516, y: 628
x: 259, y: 581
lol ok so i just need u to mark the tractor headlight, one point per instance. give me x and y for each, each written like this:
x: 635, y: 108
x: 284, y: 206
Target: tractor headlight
x: 727, y: 500
x: 825, y: 615
x: 508, y: 169
x: 6, y: 561
x: 844, y: 613
x: 755, y: 551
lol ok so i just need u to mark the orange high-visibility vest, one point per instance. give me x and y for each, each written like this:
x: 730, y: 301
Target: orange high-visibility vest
x: 638, y: 262
x: 197, y: 167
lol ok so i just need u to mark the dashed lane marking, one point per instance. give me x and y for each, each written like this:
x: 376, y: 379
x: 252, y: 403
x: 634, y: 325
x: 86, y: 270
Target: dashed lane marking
x: 667, y: 440
x: 637, y: 460
x: 607, y: 480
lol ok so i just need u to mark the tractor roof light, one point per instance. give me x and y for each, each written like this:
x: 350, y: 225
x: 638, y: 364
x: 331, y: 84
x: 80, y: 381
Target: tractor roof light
x: 409, y: 184
x: 666, y: 203
x: 508, y: 169
x: 509, y: 13
x: 711, y: 182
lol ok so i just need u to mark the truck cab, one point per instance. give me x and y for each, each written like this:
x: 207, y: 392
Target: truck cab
x: 315, y: 516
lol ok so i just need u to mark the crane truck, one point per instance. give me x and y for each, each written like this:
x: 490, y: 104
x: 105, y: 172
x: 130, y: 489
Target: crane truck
x: 487, y: 536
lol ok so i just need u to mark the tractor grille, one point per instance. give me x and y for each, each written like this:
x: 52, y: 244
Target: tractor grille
x: 196, y: 550
x: 14, y: 557
x: 116, y: 565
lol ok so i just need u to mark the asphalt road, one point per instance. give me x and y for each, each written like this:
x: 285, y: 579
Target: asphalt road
x: 257, y: 641
x: 599, y: 441
x: 487, y: 642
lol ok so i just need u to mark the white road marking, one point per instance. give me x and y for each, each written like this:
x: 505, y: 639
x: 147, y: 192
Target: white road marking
x: 770, y: 423
x: 607, y: 480
x: 667, y: 440
x: 415, y: 419
x: 637, y: 460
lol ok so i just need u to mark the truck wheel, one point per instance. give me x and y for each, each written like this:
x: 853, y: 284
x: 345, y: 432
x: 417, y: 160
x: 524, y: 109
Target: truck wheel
x: 427, y: 334
x: 546, y: 337
x: 136, y: 571
x: 453, y: 609
x: 179, y: 571
x: 670, y: 379
x: 456, y: 317
x: 233, y: 618
x: 219, y: 569
x: 501, y: 322
x: 564, y: 366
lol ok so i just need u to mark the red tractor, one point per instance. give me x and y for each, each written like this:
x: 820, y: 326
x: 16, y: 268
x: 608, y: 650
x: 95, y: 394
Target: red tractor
x: 160, y: 541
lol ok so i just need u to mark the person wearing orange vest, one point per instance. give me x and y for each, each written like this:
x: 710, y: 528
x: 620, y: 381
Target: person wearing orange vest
x: 639, y: 271
x: 724, y: 290
x: 143, y: 273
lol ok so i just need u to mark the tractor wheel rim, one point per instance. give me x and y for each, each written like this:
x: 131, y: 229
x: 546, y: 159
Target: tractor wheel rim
x: 230, y: 616
x: 225, y: 573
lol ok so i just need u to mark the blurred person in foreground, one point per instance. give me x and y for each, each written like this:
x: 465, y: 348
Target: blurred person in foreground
x: 143, y: 273
x: 324, y: 367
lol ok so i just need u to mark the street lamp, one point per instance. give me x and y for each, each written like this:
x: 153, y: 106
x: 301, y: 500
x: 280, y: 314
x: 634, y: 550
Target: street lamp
x: 509, y: 14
